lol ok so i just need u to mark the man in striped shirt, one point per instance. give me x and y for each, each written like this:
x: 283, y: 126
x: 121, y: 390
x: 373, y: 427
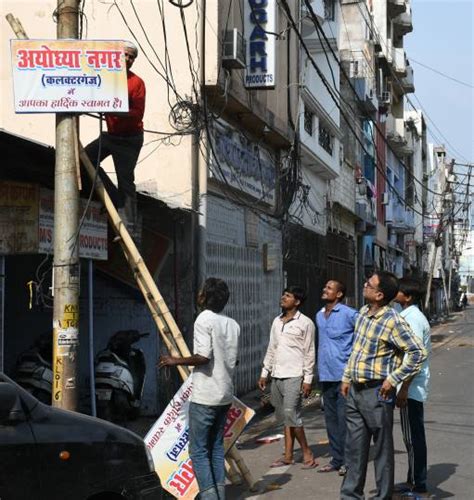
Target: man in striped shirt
x: 385, y: 353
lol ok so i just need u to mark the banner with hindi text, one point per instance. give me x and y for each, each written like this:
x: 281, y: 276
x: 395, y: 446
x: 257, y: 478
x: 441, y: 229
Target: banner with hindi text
x: 168, y: 441
x: 69, y: 76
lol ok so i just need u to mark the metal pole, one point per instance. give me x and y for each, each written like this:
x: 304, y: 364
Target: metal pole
x: 443, y: 275
x: 430, y: 278
x: 450, y: 278
x: 2, y: 310
x: 66, y: 271
x: 90, y: 283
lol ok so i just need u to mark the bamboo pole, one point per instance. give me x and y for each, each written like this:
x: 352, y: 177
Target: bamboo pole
x: 168, y: 328
x: 169, y: 332
x: 135, y: 260
x: 232, y: 473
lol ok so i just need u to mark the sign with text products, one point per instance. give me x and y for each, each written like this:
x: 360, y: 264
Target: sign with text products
x: 92, y: 238
x: 168, y: 441
x: 259, y: 26
x: 69, y: 76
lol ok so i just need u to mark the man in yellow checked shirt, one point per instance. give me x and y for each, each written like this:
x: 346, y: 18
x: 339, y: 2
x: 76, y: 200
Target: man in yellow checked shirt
x: 385, y: 353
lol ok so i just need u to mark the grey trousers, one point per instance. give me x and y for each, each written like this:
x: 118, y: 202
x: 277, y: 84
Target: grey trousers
x: 368, y: 418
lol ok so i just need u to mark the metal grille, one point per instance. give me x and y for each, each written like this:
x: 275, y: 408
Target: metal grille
x: 308, y: 121
x: 253, y: 303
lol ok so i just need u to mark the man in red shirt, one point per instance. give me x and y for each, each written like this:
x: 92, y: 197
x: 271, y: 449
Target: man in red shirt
x: 123, y: 140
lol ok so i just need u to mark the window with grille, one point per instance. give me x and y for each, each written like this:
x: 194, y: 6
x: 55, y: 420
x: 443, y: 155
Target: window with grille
x: 326, y: 139
x: 308, y: 121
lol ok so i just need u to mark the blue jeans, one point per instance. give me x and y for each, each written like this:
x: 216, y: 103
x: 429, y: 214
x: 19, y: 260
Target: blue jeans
x: 206, y: 448
x: 335, y: 416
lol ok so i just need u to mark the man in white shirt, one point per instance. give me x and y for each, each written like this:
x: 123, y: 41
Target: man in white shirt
x: 414, y: 391
x: 216, y: 340
x: 290, y: 361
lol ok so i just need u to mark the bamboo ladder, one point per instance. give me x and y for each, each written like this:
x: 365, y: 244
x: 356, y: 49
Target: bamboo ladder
x: 162, y: 316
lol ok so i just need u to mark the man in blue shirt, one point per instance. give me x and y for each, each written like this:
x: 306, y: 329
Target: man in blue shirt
x: 335, y: 323
x: 414, y: 391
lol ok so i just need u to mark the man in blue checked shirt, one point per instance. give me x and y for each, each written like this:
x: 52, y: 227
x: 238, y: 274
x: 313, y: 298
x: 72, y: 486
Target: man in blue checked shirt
x: 335, y: 323
x: 385, y: 353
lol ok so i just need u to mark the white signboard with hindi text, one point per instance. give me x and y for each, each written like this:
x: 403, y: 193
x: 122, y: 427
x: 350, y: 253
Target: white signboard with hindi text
x: 168, y: 441
x: 57, y: 76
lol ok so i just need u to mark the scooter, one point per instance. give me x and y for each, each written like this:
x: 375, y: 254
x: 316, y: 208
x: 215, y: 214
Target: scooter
x: 34, y: 370
x: 120, y: 377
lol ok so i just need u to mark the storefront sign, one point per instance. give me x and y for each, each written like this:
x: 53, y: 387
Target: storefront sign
x: 74, y: 76
x: 260, y: 22
x: 18, y: 218
x: 92, y: 239
x: 27, y: 222
x: 168, y: 441
x: 243, y: 164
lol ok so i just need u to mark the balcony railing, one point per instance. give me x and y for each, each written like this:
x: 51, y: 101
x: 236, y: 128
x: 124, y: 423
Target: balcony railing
x: 398, y: 217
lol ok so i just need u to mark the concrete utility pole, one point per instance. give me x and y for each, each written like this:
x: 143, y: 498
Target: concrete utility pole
x: 66, y: 271
x: 438, y: 241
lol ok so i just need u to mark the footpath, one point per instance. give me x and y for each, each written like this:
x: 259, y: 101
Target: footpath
x: 449, y: 427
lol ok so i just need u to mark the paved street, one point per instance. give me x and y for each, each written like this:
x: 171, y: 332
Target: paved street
x: 449, y: 426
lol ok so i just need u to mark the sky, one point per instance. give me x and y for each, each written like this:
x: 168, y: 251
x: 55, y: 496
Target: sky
x: 443, y: 38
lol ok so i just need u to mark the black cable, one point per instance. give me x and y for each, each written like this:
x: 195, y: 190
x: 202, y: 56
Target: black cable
x: 319, y: 30
x: 169, y: 81
x: 163, y: 76
x: 395, y: 77
x: 331, y: 93
x: 94, y: 181
x: 168, y: 65
x: 237, y: 198
x: 157, y: 132
x: 442, y: 74
x: 194, y: 78
x: 180, y: 5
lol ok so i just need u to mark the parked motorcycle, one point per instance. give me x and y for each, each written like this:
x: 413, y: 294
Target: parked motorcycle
x: 34, y: 370
x: 120, y: 377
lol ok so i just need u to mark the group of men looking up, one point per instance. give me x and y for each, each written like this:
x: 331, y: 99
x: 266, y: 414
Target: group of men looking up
x: 363, y: 358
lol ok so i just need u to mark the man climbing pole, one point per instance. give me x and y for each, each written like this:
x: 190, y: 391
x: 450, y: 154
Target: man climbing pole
x: 123, y: 140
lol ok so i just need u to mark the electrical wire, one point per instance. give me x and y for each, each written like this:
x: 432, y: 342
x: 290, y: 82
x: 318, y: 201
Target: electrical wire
x: 164, y: 76
x: 373, y: 30
x: 285, y: 5
x: 320, y: 31
x: 469, y: 85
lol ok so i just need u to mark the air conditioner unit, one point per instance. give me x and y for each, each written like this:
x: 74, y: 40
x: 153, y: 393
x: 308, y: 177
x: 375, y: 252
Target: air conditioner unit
x: 234, y: 50
x: 385, y: 198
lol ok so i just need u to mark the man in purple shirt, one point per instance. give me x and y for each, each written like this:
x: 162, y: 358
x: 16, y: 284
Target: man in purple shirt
x: 335, y: 323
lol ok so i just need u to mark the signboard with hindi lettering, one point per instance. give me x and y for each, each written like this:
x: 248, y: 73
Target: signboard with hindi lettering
x: 73, y: 76
x: 168, y: 441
